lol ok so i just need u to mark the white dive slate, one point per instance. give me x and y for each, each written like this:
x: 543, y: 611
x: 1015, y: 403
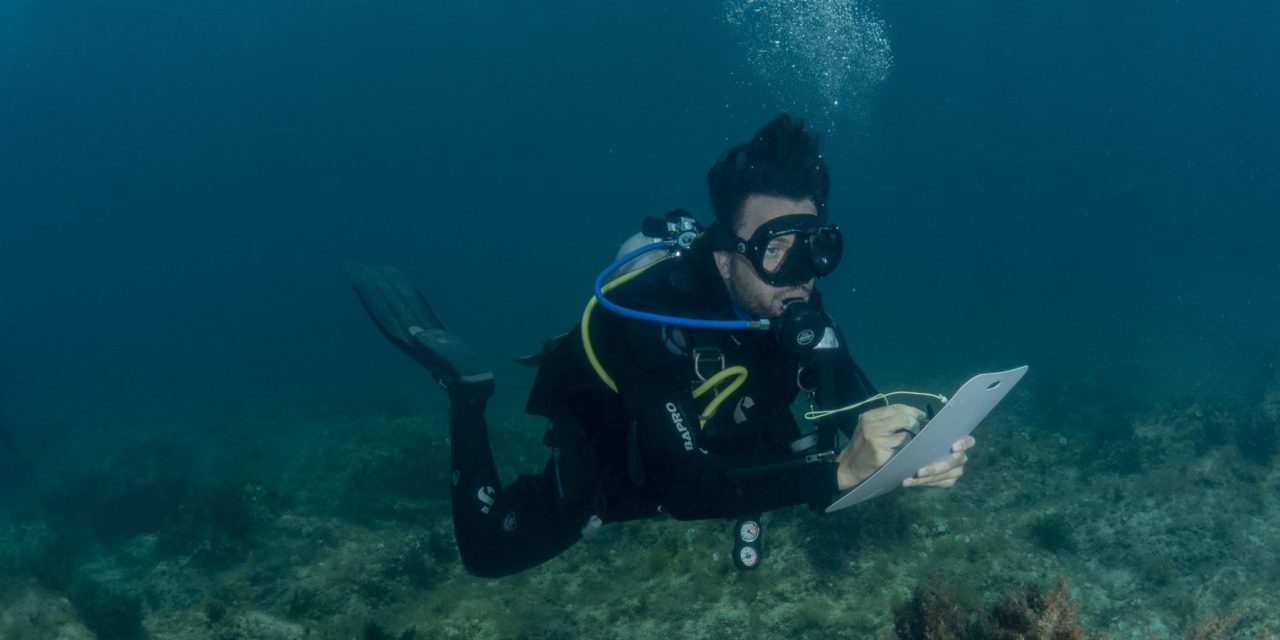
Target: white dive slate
x: 975, y: 399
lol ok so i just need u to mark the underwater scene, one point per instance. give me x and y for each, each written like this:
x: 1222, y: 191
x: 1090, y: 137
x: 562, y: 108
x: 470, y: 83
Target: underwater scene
x: 206, y: 433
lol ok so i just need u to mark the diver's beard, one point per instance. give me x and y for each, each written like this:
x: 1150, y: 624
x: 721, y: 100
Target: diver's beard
x: 764, y: 301
x: 789, y: 294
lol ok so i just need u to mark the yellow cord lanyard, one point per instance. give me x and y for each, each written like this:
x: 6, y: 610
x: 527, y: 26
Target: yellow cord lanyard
x: 817, y: 415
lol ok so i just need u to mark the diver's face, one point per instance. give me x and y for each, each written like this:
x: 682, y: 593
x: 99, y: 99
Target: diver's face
x: 750, y: 292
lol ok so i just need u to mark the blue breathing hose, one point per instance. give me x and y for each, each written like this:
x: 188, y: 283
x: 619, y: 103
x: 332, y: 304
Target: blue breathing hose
x: 693, y: 323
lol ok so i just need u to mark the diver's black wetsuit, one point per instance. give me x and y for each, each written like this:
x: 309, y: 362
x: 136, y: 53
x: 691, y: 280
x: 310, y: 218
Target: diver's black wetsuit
x: 640, y: 451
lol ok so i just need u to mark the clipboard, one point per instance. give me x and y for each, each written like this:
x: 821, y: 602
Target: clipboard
x: 957, y: 419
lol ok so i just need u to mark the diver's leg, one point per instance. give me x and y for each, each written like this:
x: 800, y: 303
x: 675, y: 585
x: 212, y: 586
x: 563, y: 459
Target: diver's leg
x: 499, y: 531
x: 474, y: 476
x: 502, y: 531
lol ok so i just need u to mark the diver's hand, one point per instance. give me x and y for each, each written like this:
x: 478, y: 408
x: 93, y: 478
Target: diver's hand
x: 880, y: 433
x: 943, y: 474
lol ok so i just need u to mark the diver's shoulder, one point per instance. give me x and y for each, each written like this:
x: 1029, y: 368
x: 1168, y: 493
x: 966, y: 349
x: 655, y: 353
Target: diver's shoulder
x: 672, y: 285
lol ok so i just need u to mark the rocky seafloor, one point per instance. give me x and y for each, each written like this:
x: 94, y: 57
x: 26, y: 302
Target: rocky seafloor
x: 1116, y: 518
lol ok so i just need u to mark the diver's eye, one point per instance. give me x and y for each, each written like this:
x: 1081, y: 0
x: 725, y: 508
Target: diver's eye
x: 775, y: 253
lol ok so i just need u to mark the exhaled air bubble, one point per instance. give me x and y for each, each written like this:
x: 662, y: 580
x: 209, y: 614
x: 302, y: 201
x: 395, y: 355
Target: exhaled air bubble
x: 819, y: 57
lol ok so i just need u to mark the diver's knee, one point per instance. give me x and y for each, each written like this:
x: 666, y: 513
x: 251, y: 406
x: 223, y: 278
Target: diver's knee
x: 469, y: 398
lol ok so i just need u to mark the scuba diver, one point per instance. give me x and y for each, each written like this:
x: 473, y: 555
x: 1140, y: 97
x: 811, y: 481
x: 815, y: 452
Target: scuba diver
x: 673, y: 393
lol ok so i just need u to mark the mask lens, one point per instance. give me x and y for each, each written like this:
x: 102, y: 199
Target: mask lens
x: 826, y: 247
x: 774, y: 257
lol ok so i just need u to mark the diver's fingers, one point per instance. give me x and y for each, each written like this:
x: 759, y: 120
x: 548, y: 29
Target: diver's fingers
x: 953, y: 461
x: 897, y: 438
x: 943, y: 479
x: 893, y: 423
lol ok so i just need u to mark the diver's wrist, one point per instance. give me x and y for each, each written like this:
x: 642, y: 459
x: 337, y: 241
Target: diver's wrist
x: 848, y: 477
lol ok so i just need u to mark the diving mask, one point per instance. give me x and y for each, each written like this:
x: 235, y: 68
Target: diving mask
x: 789, y: 250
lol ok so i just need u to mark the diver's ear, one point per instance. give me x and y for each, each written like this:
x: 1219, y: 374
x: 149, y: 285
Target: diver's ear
x: 722, y: 263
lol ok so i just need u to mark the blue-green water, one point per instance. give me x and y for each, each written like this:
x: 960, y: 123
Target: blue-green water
x: 1088, y: 188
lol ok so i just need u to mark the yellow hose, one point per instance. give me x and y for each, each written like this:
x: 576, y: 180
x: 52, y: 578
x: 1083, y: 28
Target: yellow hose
x: 721, y: 395
x: 586, y: 321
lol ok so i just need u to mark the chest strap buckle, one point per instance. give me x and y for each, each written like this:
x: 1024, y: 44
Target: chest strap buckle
x: 710, y: 356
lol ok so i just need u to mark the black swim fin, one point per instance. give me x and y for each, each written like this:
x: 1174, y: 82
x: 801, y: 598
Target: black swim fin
x: 408, y: 321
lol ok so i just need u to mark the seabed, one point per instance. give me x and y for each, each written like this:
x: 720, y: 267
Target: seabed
x: 1106, y: 519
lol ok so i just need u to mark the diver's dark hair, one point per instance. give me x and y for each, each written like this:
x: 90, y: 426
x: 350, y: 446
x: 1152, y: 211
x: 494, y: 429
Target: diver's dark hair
x: 782, y: 159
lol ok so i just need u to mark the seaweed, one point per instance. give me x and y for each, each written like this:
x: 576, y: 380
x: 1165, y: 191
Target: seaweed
x: 1213, y: 426
x: 1032, y: 613
x: 1219, y: 627
x: 374, y: 631
x: 107, y: 612
x: 215, y: 611
x: 135, y: 493
x: 1053, y: 533
x: 1029, y: 613
x: 1253, y: 433
x: 418, y: 565
x: 832, y: 540
x: 1257, y: 438
x: 54, y: 561
x: 391, y: 480
x: 216, y: 525
x: 1096, y: 401
x: 931, y: 613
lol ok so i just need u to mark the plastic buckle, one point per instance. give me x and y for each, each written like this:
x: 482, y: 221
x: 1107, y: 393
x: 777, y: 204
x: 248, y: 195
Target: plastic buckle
x: 700, y: 355
x: 800, y: 375
x: 825, y: 456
